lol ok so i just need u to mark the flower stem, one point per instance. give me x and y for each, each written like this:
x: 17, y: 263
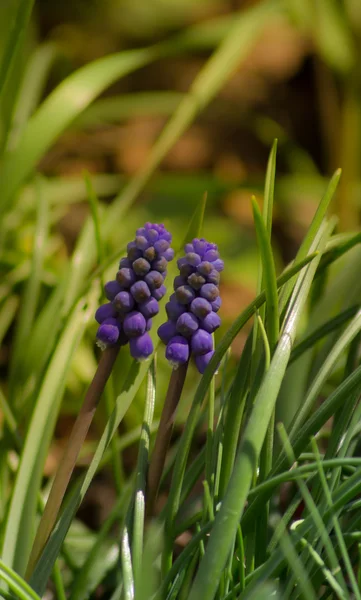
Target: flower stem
x: 71, y: 453
x: 164, y: 435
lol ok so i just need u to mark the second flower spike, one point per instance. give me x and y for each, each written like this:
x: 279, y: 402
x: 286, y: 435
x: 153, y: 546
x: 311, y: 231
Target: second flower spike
x: 134, y: 294
x: 192, y: 309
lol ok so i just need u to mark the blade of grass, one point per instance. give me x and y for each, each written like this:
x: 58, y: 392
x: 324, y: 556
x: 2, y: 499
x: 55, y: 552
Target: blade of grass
x: 20, y: 521
x: 30, y: 298
x: 320, y: 527
x: 208, y: 576
x: 335, y: 522
x: 181, y: 460
x: 141, y: 480
x: 16, y: 583
x: 14, y: 40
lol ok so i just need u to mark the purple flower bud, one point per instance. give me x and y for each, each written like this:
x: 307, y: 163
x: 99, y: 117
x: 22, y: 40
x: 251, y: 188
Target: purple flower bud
x: 211, y: 255
x: 177, y: 351
x: 108, y: 333
x: 189, y: 248
x: 196, y: 281
x: 141, y: 231
x: 174, y: 309
x: 218, y: 265
x: 152, y: 235
x: 141, y: 267
x: 134, y: 324
x: 123, y: 302
x: 167, y: 331
x: 185, y: 294
x: 149, y: 308
x: 209, y: 291
x: 154, y: 280
x: 133, y: 252
x: 111, y: 289
x: 181, y: 262
x: 168, y: 254
x: 141, y: 242
x: 216, y: 304
x: 161, y: 246
x: 211, y: 322
x: 201, y: 307
x: 160, y: 264
x: 148, y: 325
x: 125, y: 277
x: 201, y: 342
x: 202, y: 361
x: 186, y: 270
x: 141, y: 347
x: 213, y: 277
x: 149, y: 253
x: 140, y: 291
x: 105, y: 311
x: 205, y: 268
x: 193, y: 259
x: 200, y: 246
x: 187, y: 324
x: 178, y: 281
x: 159, y: 293
x: 125, y: 262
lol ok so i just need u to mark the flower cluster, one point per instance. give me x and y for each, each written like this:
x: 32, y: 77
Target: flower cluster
x: 133, y: 295
x: 192, y: 309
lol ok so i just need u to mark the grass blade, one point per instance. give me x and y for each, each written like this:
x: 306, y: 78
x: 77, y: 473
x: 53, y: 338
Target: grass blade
x: 225, y: 526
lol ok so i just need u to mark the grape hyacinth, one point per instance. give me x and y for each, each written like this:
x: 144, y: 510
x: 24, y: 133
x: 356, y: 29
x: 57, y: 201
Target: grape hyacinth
x: 192, y: 309
x: 134, y: 294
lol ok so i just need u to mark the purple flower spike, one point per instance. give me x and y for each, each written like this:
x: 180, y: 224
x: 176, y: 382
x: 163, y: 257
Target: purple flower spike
x: 201, y: 342
x: 211, y: 322
x: 140, y: 291
x: 105, y: 311
x: 111, y: 289
x: 202, y: 361
x: 149, y: 308
x: 177, y: 351
x: 141, y: 347
x: 167, y: 331
x: 187, y: 324
x: 209, y: 291
x: 123, y: 302
x: 185, y: 294
x: 160, y: 292
x: 193, y: 306
x: 134, y: 324
x: 135, y: 293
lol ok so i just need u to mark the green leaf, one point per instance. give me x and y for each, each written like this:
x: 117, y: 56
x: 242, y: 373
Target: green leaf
x: 16, y: 583
x: 225, y: 526
x: 67, y: 101
x: 269, y: 277
x: 20, y: 522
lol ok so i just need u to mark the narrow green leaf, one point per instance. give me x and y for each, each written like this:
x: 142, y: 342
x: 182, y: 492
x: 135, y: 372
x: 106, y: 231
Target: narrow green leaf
x: 225, y: 526
x: 20, y: 522
x: 14, y: 40
x: 269, y: 277
x: 68, y: 100
x: 16, y: 583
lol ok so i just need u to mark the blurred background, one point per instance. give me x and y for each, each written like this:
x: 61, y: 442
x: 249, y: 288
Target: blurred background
x: 299, y: 81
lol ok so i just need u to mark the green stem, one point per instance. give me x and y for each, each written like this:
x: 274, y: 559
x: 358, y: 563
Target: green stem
x: 164, y: 435
x: 69, y: 458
